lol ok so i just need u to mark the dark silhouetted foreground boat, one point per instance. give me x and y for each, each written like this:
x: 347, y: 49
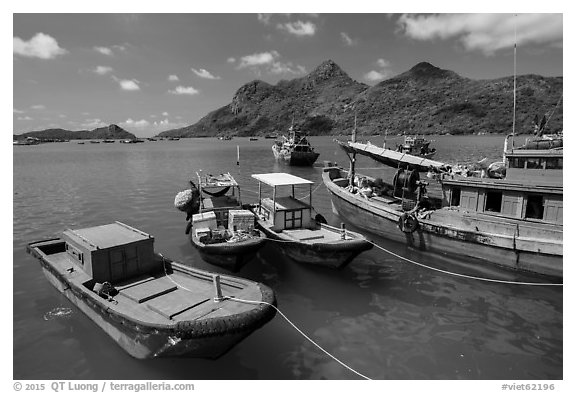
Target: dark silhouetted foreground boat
x: 508, y: 213
x: 298, y: 235
x: 222, y: 231
x: 151, y: 306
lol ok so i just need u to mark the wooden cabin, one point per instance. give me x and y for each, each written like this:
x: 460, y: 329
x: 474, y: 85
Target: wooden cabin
x: 531, y: 190
x: 284, y: 212
x: 113, y: 252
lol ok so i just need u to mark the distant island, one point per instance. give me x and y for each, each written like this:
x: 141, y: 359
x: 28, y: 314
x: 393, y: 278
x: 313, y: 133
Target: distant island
x: 57, y: 134
x: 423, y: 100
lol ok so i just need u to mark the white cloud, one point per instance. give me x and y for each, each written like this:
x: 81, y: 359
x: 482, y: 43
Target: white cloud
x: 93, y: 123
x: 103, y: 70
x: 202, y: 73
x: 135, y: 123
x: 165, y: 114
x: 257, y: 59
x: 127, y: 84
x: 374, y: 76
x: 184, y: 90
x: 269, y: 61
x: 383, y: 73
x: 24, y: 118
x: 38, y: 107
x: 41, y: 45
x: 485, y: 32
x: 347, y: 40
x: 383, y: 63
x: 298, y: 28
x: 231, y: 60
x: 173, y: 78
x: 104, y: 50
x: 264, y: 18
x: 18, y: 111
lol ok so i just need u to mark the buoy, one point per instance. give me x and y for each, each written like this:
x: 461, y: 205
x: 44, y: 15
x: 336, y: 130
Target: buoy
x: 407, y: 223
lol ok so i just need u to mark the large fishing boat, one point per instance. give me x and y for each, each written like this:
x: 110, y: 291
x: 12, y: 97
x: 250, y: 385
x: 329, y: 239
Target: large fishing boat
x: 416, y: 146
x: 222, y: 231
x: 508, y: 213
x: 149, y: 305
x: 289, y: 223
x: 295, y: 149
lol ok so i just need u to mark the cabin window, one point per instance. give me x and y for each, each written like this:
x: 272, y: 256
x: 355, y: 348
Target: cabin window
x: 517, y: 162
x: 455, y: 197
x: 535, y: 207
x: 293, y: 219
x: 535, y: 163
x: 554, y: 163
x: 493, y: 201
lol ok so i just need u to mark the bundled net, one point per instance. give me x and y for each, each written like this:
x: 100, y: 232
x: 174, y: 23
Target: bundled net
x: 184, y: 200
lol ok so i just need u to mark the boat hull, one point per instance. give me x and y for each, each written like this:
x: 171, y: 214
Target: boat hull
x: 332, y: 255
x: 231, y: 256
x: 295, y: 158
x: 499, y: 249
x: 210, y: 338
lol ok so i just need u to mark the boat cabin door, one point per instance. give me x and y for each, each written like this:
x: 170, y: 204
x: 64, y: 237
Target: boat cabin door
x: 123, y: 263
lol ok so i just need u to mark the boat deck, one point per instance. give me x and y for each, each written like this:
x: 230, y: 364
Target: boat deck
x: 164, y: 298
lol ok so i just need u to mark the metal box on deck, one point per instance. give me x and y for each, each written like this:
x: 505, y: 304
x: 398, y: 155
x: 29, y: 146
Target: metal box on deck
x: 240, y: 220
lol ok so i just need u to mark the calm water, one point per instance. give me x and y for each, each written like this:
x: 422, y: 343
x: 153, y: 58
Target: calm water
x: 386, y: 318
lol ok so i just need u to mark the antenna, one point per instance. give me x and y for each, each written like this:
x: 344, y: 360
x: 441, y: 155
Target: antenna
x: 514, y: 109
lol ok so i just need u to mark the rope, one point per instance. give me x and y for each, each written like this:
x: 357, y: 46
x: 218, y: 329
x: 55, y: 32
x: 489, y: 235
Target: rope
x: 464, y: 275
x: 313, y: 191
x: 552, y: 114
x: 299, y: 331
x: 279, y: 312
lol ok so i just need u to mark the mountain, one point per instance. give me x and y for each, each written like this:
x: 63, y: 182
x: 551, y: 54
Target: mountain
x: 109, y: 132
x: 423, y: 100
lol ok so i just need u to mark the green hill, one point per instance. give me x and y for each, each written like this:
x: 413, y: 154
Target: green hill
x: 423, y: 100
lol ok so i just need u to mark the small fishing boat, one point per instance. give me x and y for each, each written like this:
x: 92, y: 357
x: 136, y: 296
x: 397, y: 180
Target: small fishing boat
x: 289, y: 223
x: 252, y: 139
x: 222, y: 231
x: 295, y: 149
x: 108, y: 141
x: 150, y: 305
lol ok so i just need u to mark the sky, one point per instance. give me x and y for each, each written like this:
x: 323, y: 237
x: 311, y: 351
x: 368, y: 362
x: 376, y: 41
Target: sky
x: 150, y: 72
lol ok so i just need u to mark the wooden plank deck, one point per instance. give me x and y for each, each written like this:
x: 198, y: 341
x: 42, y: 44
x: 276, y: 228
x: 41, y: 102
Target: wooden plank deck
x: 148, y: 289
x: 175, y: 302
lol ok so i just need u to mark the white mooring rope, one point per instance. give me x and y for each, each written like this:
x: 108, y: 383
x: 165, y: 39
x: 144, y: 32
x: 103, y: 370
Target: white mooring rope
x: 278, y: 310
x: 465, y: 275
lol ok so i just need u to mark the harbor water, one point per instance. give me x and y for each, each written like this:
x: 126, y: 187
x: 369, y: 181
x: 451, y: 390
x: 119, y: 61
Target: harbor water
x: 381, y: 315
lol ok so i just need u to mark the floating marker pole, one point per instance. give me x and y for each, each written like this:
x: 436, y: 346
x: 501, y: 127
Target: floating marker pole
x: 343, y: 231
x: 217, y: 288
x: 237, y: 154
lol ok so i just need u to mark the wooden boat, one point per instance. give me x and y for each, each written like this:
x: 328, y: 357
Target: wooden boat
x: 295, y: 149
x: 297, y: 234
x: 252, y: 139
x: 511, y: 217
x: 222, y: 231
x: 151, y: 306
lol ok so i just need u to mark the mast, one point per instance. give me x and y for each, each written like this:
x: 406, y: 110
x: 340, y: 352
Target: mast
x: 353, y: 158
x: 514, y: 108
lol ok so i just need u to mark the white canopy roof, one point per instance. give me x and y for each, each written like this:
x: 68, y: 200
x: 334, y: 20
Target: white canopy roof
x: 280, y: 179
